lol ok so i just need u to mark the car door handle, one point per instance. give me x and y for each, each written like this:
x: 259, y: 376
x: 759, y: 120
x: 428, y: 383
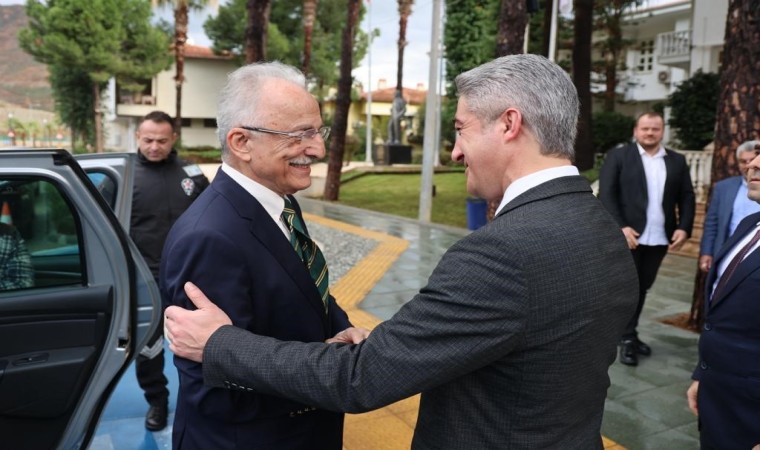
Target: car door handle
x: 31, y: 359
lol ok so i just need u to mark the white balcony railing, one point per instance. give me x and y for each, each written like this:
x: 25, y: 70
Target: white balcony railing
x: 674, y: 46
x: 700, y: 165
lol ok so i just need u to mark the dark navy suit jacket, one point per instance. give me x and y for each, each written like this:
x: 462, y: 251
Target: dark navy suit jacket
x: 718, y: 217
x: 229, y: 246
x: 729, y: 353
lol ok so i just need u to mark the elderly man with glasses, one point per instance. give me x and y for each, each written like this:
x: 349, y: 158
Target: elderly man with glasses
x: 247, y: 230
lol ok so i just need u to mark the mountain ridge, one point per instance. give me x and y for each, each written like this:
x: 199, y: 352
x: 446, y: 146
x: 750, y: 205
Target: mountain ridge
x: 23, y: 81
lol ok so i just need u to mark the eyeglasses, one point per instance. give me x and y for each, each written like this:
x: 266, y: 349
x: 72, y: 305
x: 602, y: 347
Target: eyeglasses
x: 324, y: 132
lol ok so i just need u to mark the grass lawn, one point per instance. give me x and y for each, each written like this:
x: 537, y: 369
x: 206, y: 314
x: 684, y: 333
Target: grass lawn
x: 399, y: 194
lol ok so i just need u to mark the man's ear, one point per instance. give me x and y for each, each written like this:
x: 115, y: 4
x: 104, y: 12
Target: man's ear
x: 511, y: 121
x: 236, y: 143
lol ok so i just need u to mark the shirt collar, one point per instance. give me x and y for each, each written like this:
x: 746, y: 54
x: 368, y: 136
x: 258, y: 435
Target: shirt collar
x: 532, y: 180
x: 660, y: 151
x: 272, y: 202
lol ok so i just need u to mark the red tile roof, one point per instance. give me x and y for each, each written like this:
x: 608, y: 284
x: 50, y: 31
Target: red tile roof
x: 198, y: 52
x: 412, y: 96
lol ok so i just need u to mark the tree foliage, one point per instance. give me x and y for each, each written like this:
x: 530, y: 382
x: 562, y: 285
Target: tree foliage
x: 286, y: 36
x: 99, y: 38
x: 608, y: 17
x: 692, y: 110
x: 610, y: 129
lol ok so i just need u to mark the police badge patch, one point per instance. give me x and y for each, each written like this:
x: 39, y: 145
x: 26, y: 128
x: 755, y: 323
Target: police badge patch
x: 188, y: 185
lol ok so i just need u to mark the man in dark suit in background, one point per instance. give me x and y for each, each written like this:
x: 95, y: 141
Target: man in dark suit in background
x: 238, y: 242
x: 647, y: 189
x: 728, y: 206
x: 725, y: 393
x: 510, y: 341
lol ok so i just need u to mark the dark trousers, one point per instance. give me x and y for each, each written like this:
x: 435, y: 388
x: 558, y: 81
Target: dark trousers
x: 150, y: 370
x: 647, y: 259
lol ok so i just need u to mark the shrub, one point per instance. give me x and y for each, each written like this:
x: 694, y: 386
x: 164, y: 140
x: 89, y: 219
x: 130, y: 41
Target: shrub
x: 692, y: 110
x: 611, y: 129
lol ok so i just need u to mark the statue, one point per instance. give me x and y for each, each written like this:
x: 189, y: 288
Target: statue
x: 398, y: 110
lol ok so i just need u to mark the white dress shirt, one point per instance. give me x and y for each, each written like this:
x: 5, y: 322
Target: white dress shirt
x: 655, y: 174
x: 272, y: 202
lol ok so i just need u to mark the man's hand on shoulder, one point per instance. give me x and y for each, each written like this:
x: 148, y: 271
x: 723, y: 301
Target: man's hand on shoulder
x: 349, y: 336
x: 188, y: 331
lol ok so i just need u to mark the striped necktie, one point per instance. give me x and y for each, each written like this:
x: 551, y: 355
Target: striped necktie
x: 308, y: 250
x: 731, y: 268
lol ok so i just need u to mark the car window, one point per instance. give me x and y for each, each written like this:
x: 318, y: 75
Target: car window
x: 105, y: 184
x: 39, y: 237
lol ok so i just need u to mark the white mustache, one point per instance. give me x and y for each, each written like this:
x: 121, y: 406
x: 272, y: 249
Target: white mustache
x: 306, y: 161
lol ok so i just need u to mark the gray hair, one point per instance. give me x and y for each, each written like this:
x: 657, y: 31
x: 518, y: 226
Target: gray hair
x: 747, y: 146
x: 537, y: 87
x: 238, y: 99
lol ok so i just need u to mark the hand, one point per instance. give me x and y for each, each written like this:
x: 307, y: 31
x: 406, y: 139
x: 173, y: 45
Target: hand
x: 188, y: 331
x: 705, y: 262
x: 349, y: 336
x: 691, y: 397
x: 632, y: 237
x: 678, y: 239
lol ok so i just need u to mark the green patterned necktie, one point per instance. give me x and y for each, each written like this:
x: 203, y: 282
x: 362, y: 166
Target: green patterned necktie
x: 308, y: 250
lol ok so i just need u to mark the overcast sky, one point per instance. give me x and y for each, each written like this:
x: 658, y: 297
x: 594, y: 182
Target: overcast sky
x: 383, y: 16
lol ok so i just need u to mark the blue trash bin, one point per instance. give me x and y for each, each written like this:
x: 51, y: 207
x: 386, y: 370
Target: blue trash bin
x: 476, y: 213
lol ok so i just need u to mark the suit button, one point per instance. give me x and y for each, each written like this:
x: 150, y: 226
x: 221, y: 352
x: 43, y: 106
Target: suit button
x: 708, y: 327
x: 703, y: 365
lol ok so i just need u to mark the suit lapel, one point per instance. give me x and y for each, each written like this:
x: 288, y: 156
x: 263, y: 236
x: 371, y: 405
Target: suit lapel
x: 263, y: 229
x: 746, y: 267
x: 637, y: 166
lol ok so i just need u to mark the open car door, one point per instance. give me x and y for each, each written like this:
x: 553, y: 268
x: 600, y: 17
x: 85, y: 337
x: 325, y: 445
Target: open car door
x: 77, y: 301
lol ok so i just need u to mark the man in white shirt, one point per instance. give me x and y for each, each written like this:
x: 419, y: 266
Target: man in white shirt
x: 647, y: 189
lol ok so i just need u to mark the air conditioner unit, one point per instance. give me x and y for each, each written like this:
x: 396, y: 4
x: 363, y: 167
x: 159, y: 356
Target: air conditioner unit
x: 663, y: 76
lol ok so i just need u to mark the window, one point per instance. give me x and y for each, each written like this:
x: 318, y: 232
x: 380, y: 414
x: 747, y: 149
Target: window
x: 646, y: 56
x: 187, y: 123
x: 209, y: 123
x: 39, y: 236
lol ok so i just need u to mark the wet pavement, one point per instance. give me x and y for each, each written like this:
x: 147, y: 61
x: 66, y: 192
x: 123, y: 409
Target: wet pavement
x: 378, y: 262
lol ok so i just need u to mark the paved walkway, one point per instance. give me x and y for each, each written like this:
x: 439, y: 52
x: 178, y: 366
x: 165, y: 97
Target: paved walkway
x: 378, y: 262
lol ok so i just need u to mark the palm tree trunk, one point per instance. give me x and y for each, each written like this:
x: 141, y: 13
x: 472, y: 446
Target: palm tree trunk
x: 510, y: 35
x: 98, y: 122
x: 584, y: 144
x: 309, y: 16
x: 180, y: 37
x: 342, y: 103
x: 256, y: 31
x: 404, y: 10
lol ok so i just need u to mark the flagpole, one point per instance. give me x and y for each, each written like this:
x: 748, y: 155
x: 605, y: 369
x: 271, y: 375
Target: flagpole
x: 553, y: 31
x: 368, y: 137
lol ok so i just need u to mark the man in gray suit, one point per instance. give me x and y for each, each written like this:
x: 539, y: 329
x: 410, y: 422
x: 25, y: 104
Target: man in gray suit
x: 510, y: 341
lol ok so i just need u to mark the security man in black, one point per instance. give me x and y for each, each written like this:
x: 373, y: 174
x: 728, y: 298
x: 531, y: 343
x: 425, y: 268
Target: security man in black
x: 164, y: 186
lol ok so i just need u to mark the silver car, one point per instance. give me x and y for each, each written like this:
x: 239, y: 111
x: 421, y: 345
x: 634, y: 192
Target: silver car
x: 77, y: 301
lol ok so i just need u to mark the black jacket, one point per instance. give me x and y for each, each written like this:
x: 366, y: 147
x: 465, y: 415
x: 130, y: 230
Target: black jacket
x: 623, y: 190
x: 162, y: 192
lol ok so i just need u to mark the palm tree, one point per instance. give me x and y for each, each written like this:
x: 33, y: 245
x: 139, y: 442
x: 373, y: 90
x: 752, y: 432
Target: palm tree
x: 404, y: 11
x: 181, y: 9
x: 309, y: 17
x: 510, y: 34
x: 256, y: 30
x: 738, y: 112
x: 583, y: 28
x: 342, y: 103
